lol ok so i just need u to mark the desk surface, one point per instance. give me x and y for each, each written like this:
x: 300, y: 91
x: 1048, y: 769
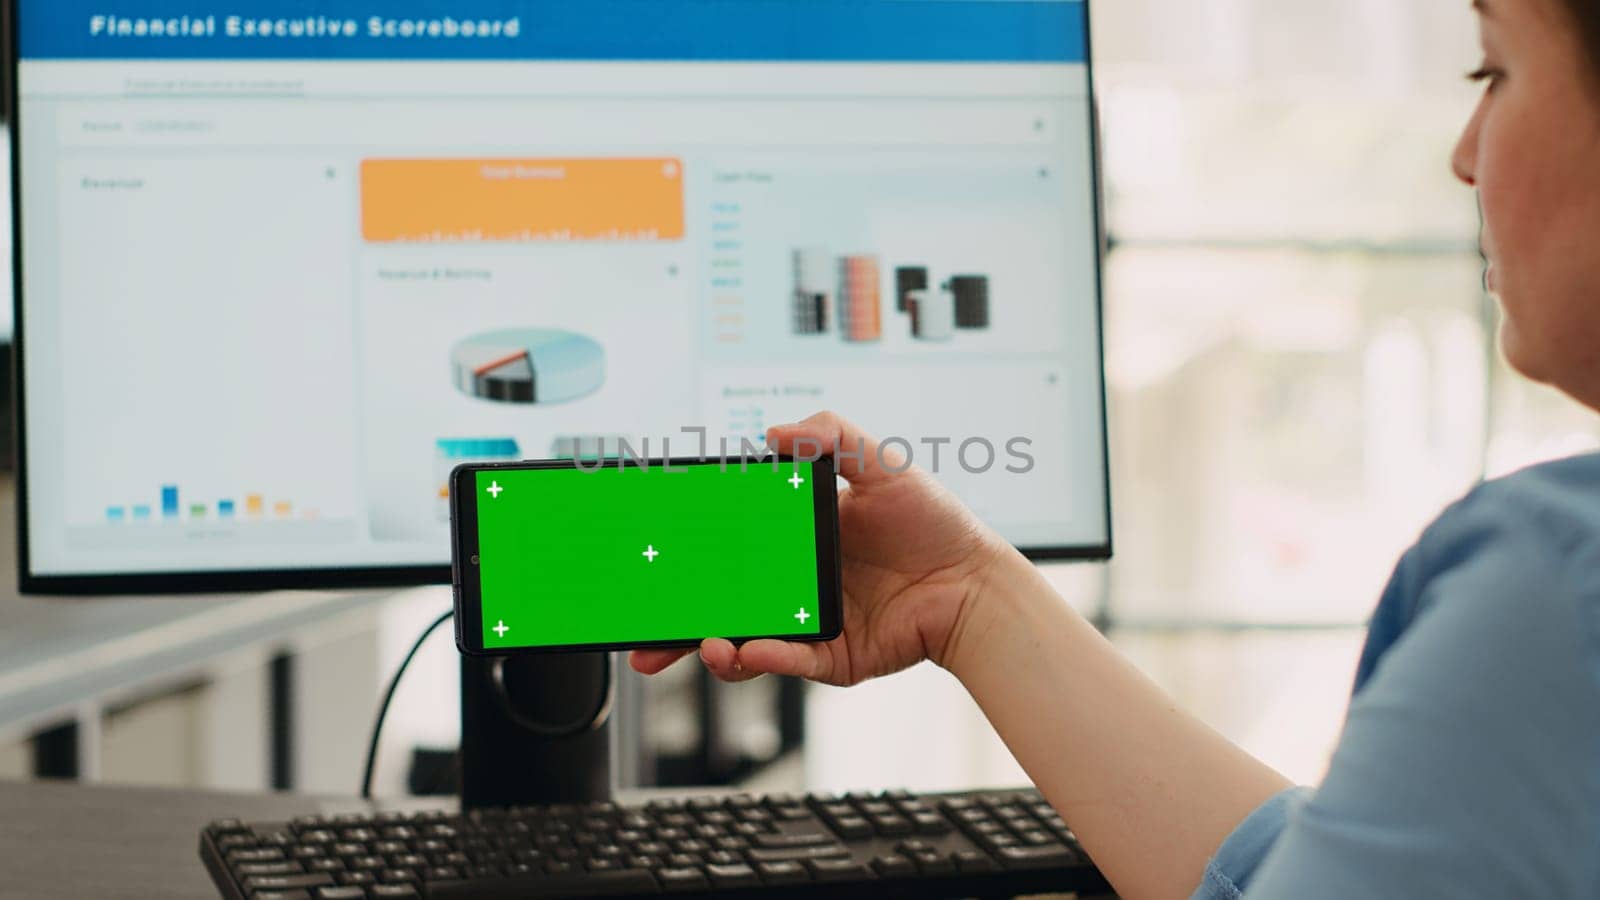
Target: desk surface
x: 67, y: 841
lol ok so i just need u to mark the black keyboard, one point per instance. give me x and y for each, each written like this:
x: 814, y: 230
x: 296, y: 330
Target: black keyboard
x: 859, y: 845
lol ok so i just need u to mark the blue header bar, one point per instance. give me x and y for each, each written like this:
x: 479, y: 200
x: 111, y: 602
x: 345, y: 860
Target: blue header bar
x: 1005, y: 31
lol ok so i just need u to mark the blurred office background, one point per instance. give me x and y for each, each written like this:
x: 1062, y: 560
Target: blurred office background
x: 1302, y: 372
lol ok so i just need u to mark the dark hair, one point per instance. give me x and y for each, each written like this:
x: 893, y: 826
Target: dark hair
x: 1586, y: 13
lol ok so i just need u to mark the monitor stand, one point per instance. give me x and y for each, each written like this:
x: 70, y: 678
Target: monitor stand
x: 536, y: 729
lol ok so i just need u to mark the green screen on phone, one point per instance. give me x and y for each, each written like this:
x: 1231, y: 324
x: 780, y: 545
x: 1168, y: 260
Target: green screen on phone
x: 641, y: 554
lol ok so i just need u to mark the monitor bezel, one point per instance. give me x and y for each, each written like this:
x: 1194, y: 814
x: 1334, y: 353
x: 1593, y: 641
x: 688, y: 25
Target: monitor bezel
x: 407, y: 575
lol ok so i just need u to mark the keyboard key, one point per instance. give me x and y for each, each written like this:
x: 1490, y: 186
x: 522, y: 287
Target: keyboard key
x: 932, y: 862
x: 731, y: 876
x: 286, y: 882
x: 326, y: 864
x: 343, y: 892
x: 853, y: 828
x: 836, y: 869
x: 281, y: 867
x: 800, y: 839
x: 776, y: 873
x: 894, y: 867
x: 930, y: 823
x: 891, y: 826
x: 282, y: 895
x: 780, y: 854
x: 262, y: 854
x: 1036, y: 857
x: 581, y: 884
x: 393, y: 892
x: 682, y: 878
x: 974, y: 861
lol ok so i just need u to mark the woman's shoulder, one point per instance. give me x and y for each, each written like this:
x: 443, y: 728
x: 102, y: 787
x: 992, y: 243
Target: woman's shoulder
x: 1549, y: 513
x: 1518, y: 554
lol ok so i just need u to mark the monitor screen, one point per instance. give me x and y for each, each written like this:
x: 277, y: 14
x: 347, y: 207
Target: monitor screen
x: 284, y: 263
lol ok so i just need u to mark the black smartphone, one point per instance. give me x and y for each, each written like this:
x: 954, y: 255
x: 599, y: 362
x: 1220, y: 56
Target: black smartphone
x: 613, y: 554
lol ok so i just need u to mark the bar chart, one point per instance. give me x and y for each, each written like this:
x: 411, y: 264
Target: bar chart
x: 175, y: 506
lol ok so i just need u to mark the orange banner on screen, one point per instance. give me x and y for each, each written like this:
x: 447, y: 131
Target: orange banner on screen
x: 466, y: 200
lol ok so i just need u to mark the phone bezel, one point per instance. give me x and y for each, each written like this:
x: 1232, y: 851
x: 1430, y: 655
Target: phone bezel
x: 466, y: 589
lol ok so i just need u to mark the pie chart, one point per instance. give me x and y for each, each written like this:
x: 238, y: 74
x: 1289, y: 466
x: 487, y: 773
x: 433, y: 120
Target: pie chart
x: 528, y: 365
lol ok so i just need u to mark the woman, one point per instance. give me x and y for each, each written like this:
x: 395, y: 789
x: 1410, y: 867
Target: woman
x: 1469, y: 765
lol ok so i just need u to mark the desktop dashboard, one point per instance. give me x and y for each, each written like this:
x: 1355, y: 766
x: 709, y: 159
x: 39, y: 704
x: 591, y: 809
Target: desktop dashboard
x: 283, y: 270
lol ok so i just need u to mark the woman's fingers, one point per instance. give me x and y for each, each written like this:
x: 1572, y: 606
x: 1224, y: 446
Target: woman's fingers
x: 808, y: 660
x: 735, y: 664
x: 856, y: 454
x: 722, y: 658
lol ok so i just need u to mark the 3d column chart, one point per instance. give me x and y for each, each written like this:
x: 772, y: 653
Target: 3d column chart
x: 813, y: 289
x: 933, y: 315
x: 971, y: 294
x: 906, y: 280
x: 853, y: 296
x: 860, y: 301
x: 528, y: 366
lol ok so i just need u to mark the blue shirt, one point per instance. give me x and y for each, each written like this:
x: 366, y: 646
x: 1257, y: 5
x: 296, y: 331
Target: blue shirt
x: 1469, y: 765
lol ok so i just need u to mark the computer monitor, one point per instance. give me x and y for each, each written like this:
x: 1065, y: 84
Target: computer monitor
x: 283, y: 264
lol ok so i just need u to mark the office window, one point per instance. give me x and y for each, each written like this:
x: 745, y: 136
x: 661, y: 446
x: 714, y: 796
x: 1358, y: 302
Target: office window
x: 1301, y: 362
x: 1301, y: 356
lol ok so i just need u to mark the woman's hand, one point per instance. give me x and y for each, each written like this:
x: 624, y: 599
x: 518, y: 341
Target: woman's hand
x: 913, y: 557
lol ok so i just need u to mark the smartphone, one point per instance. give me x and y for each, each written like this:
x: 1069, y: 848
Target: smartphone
x: 614, y: 554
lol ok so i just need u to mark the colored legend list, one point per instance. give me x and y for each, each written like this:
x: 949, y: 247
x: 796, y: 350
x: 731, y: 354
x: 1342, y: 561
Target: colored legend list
x: 172, y: 509
x: 726, y: 281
